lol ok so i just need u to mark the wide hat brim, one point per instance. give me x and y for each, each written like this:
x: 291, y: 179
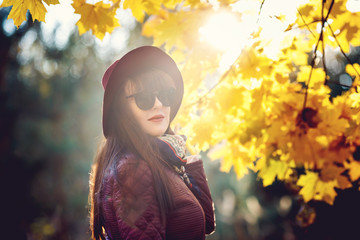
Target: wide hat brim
x: 133, y: 62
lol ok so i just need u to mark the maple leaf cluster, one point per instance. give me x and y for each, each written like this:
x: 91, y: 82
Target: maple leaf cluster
x: 99, y: 17
x: 20, y: 8
x: 255, y: 116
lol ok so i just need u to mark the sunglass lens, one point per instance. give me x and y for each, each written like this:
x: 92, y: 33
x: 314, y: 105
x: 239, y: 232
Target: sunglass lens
x: 145, y: 100
x: 166, y: 97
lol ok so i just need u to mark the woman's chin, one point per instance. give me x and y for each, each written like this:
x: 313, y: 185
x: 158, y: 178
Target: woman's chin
x: 156, y: 129
x: 156, y: 132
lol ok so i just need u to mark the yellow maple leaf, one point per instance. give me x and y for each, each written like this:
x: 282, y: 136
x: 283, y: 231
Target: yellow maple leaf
x: 325, y: 191
x: 137, y: 8
x: 329, y: 173
x: 18, y: 12
x: 306, y: 9
x: 332, y: 123
x: 7, y: 3
x: 355, y: 99
x: 297, y: 51
x: 236, y: 155
x: 308, y: 182
x: 315, y: 189
x: 307, y: 13
x: 338, y: 8
x: 353, y: 70
x: 37, y: 9
x: 240, y: 167
x: 140, y: 9
x: 176, y: 29
x: 275, y: 169
x: 20, y: 8
x: 343, y: 182
x: 304, y: 149
x: 202, y: 130
x: 354, y: 170
x: 332, y: 172
x: 48, y: 2
x: 99, y: 17
x: 317, y: 76
x: 193, y: 3
x: 351, y: 31
x: 170, y: 4
x: 253, y: 65
x: 342, y: 42
x: 344, y: 30
x: 281, y: 77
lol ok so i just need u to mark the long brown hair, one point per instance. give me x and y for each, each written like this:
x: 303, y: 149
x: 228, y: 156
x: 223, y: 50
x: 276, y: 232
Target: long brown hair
x: 127, y: 136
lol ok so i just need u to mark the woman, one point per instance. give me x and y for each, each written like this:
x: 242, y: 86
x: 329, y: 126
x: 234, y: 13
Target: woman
x: 142, y: 185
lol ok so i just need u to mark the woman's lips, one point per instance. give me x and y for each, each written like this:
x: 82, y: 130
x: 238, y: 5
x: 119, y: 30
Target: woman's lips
x: 156, y: 118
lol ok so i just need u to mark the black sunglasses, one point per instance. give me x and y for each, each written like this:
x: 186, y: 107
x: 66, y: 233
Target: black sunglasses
x: 146, y: 100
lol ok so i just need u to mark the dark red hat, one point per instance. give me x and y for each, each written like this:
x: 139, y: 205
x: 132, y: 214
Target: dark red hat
x: 135, y: 61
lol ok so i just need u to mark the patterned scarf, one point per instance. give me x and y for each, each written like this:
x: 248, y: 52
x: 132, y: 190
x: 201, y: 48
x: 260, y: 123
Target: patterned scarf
x: 174, y: 149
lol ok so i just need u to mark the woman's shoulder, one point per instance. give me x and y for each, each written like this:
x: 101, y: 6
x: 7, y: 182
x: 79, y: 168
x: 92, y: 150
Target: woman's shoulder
x: 129, y: 169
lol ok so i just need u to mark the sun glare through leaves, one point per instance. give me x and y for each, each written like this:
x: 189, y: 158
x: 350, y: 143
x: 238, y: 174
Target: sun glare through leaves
x: 226, y: 31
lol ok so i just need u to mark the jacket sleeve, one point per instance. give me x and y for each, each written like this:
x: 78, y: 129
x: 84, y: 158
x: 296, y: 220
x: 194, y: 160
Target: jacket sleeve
x: 129, y: 205
x: 196, y: 170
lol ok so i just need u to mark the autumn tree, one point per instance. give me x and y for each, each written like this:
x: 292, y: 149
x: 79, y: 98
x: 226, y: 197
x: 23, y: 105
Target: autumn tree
x: 257, y: 81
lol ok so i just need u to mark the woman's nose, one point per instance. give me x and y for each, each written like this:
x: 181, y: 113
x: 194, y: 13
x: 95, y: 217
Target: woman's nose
x: 157, y: 103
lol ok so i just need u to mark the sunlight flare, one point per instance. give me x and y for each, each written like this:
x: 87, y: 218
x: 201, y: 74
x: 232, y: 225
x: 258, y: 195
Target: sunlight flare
x: 225, y: 31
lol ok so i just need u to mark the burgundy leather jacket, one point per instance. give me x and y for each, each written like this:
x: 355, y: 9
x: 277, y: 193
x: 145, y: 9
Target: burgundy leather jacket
x: 130, y: 209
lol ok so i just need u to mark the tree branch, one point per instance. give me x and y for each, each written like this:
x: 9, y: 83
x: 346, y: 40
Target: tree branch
x: 261, y: 6
x: 338, y: 84
x: 304, y: 25
x: 307, y: 25
x: 323, y: 20
x: 323, y: 42
x: 342, y: 51
x: 330, y: 8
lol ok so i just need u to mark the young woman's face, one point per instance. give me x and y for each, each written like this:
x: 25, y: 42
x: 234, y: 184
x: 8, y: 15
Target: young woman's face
x: 153, y: 121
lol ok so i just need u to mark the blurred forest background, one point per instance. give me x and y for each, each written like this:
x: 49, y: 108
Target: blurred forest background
x: 50, y: 124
